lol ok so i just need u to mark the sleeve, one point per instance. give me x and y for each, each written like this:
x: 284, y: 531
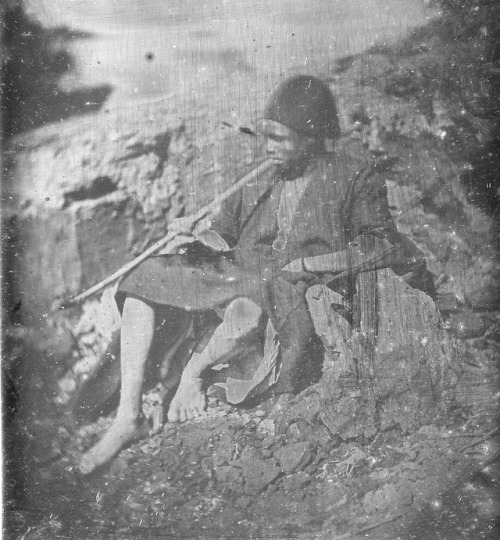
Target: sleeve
x: 226, y: 222
x: 370, y: 222
x: 367, y: 208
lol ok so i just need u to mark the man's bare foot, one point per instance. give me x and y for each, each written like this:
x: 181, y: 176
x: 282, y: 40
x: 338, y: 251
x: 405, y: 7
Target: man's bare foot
x: 122, y: 432
x: 189, y: 401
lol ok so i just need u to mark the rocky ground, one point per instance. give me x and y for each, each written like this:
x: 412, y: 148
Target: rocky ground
x: 231, y: 475
x: 276, y: 470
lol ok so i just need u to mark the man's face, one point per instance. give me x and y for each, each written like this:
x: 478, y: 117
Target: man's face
x: 289, y: 150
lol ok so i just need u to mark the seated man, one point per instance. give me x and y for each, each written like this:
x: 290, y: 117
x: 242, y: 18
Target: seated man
x: 320, y: 213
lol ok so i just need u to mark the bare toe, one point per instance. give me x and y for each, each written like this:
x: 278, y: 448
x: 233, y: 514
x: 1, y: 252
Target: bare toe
x: 189, y: 400
x: 115, y: 438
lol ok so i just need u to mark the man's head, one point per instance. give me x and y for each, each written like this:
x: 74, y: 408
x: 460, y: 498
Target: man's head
x: 301, y: 115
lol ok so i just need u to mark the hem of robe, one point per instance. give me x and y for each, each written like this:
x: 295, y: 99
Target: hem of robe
x: 266, y: 375
x: 176, y: 281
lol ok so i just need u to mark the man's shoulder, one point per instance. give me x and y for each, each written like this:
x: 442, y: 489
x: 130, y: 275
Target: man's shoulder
x: 352, y: 150
x: 348, y: 157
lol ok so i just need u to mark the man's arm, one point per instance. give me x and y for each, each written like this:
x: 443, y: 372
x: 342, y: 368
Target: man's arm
x: 218, y: 231
x: 226, y: 222
x: 375, y: 243
x: 365, y: 252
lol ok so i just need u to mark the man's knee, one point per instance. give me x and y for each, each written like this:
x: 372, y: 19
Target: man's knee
x: 242, y: 316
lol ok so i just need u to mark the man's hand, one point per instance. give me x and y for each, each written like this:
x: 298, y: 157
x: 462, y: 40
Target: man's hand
x: 182, y: 227
x: 355, y: 258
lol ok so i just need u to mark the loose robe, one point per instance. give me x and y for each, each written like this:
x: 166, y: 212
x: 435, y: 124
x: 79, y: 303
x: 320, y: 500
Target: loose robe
x: 345, y: 201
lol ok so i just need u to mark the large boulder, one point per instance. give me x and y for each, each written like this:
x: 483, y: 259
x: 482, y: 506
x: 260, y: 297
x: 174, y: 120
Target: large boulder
x: 398, y: 369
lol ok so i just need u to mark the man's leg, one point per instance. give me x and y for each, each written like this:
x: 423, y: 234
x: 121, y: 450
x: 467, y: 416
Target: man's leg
x: 241, y: 319
x: 301, y: 350
x: 136, y: 338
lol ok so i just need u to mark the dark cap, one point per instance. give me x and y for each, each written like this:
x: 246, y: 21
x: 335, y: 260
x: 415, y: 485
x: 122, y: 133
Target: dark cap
x: 306, y: 105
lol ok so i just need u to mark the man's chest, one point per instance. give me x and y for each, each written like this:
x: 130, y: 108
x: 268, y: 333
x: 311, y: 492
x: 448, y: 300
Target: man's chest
x: 309, y: 207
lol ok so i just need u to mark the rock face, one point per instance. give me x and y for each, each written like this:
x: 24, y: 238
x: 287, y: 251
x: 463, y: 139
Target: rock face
x: 89, y: 196
x: 397, y: 370
x: 88, y: 202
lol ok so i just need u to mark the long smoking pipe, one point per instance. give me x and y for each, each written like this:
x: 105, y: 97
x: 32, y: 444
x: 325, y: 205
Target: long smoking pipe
x: 163, y: 242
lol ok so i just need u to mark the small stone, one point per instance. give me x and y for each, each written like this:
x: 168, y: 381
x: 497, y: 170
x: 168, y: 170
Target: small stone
x: 244, y: 502
x: 467, y: 324
x: 299, y: 496
x: 296, y: 481
x: 212, y: 402
x: 294, y: 457
x: 272, y: 488
x: 267, y: 426
x: 268, y: 442
x: 259, y: 474
x: 487, y: 508
x: 119, y: 467
x: 67, y: 385
x: 162, y: 477
x: 227, y: 475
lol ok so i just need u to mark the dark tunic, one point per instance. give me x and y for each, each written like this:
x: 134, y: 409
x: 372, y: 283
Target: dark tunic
x: 345, y: 199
